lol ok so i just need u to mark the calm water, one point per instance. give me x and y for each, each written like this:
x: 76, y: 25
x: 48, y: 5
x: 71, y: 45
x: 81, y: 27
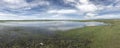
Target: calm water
x: 49, y: 25
x: 16, y: 30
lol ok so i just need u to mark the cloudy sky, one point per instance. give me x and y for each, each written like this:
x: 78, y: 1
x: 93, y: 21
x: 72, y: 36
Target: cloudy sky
x: 59, y: 9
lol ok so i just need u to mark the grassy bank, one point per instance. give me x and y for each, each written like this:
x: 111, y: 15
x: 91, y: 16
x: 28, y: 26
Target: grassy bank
x: 99, y: 36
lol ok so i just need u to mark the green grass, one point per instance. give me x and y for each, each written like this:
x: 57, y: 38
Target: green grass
x: 100, y: 36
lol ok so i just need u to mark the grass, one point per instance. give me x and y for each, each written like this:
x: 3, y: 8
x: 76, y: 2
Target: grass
x: 88, y: 37
x: 100, y: 36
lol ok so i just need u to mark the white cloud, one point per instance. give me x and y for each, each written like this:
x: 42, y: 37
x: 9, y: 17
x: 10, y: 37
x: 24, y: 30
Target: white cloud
x: 67, y: 1
x: 107, y: 16
x: 13, y: 1
x: 90, y: 15
x: 8, y: 16
x: 83, y: 5
x: 13, y: 4
x: 63, y: 11
x: 86, y: 7
x: 60, y: 14
x: 22, y: 4
x: 84, y: 1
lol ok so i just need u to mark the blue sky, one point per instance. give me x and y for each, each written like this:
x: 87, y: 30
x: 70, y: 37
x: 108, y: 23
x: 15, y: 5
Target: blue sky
x: 59, y: 9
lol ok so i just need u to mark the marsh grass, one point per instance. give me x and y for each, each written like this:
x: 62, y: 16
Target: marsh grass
x: 47, y: 43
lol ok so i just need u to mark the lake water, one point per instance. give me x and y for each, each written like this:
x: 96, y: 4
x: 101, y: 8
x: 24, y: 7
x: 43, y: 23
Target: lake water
x: 16, y: 30
x: 49, y: 25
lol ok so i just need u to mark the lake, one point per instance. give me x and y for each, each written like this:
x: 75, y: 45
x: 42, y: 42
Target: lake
x: 49, y: 25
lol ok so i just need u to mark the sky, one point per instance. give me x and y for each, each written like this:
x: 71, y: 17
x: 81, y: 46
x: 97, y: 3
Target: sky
x: 59, y: 9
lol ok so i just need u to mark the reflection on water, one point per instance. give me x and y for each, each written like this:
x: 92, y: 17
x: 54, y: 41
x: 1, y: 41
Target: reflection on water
x: 50, y: 25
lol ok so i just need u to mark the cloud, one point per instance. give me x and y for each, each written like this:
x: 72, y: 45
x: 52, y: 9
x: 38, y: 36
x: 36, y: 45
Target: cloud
x: 83, y: 5
x: 84, y: 1
x: 90, y: 15
x: 59, y: 9
x: 22, y: 4
x: 8, y: 16
x: 106, y: 16
x: 86, y: 7
x: 62, y: 11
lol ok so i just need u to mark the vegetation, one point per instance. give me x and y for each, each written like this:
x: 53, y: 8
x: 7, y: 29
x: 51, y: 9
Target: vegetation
x: 99, y: 36
x: 88, y: 37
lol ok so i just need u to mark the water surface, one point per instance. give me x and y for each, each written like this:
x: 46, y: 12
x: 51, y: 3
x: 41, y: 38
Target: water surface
x: 50, y: 25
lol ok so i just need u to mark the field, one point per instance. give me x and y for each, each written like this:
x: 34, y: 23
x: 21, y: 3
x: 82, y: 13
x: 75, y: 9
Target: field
x: 98, y: 36
x: 107, y: 36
